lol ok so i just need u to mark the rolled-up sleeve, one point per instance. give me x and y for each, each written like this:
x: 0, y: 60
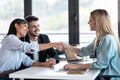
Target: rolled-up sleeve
x: 29, y: 47
x: 27, y: 61
x: 88, y: 50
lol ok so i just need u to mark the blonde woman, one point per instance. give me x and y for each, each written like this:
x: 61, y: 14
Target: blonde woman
x: 105, y: 46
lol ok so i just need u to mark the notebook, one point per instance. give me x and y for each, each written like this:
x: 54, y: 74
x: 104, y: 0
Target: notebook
x: 71, y: 57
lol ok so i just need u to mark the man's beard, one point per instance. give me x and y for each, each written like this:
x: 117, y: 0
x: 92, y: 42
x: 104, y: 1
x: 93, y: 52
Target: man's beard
x: 34, y: 34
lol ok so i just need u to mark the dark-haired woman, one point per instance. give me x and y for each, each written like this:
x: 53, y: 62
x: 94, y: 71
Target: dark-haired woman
x: 12, y: 52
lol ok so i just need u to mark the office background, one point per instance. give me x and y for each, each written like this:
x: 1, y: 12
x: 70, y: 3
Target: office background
x: 62, y: 20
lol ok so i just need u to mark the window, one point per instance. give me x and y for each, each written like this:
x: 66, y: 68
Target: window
x: 9, y: 10
x: 85, y: 7
x: 53, y: 18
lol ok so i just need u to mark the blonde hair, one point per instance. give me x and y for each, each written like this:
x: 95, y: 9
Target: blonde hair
x: 103, y: 25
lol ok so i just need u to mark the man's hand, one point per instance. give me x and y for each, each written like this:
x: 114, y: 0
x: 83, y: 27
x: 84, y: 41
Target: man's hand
x: 59, y: 46
x: 52, y: 61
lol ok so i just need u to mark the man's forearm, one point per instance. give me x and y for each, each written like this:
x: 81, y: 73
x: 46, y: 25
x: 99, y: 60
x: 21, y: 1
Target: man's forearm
x: 46, y: 46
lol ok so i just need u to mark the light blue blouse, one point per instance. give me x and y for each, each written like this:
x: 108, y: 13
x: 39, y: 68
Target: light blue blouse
x: 107, y: 55
x: 12, y: 53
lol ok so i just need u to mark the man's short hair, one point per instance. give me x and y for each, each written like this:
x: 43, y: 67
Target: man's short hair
x: 30, y: 18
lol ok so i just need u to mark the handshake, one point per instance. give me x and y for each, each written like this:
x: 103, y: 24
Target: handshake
x: 60, y: 46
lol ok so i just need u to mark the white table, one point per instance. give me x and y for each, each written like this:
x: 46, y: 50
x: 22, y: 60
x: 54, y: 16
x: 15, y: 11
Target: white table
x: 56, y: 72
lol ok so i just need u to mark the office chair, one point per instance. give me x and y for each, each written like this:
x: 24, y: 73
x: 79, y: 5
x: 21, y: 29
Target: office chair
x: 106, y: 77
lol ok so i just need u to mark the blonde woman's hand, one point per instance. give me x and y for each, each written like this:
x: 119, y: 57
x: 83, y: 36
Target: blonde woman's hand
x: 71, y: 66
